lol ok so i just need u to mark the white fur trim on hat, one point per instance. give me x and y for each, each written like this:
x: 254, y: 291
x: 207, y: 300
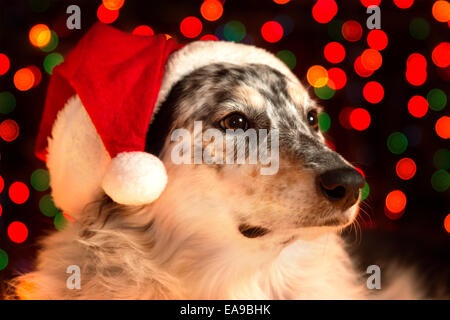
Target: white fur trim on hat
x: 202, y: 53
x: 134, y: 178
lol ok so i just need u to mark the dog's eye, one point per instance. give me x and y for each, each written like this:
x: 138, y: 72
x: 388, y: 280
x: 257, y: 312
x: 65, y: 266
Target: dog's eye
x: 234, y: 121
x: 313, y: 119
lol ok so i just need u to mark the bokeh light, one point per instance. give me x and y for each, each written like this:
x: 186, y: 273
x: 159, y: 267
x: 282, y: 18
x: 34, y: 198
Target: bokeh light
x: 441, y: 11
x: 334, y: 52
x: 288, y: 57
x: 377, y: 39
x: 337, y: 78
x: 47, y: 206
x: 418, y: 106
x: 7, y: 102
x: 396, y: 201
x: 24, y: 79
x: 351, y: 30
x: 60, y: 221
x: 406, y: 168
x: 2, y: 184
x: 234, y: 31
x: 39, y: 5
x: 325, y: 92
x: 272, y: 31
x: 404, y: 4
x: 281, y: 1
x: 324, y: 121
x: 440, y: 180
x: 9, y: 130
x: 40, y: 180
x: 51, y: 61
x: 344, y: 117
x: 211, y: 10
x: 359, y: 119
x: 416, y: 69
x: 40, y: 35
x: 143, y: 30
x: 317, y: 76
x: 442, y: 127
x: 18, y: 192
x: 113, y: 4
x: 3, y: 259
x: 53, y: 43
x: 368, y: 3
x: 191, y: 27
x: 437, y: 99
x: 209, y: 37
x: 441, y: 55
x: 365, y: 191
x: 360, y: 69
x: 373, y: 92
x: 324, y: 11
x: 419, y: 28
x: 371, y: 59
x: 4, y: 64
x: 441, y: 159
x: 37, y: 75
x: 17, y: 232
x: 397, y: 142
x: 106, y: 15
x: 335, y: 30
x: 447, y: 223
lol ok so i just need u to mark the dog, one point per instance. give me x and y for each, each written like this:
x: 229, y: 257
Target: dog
x: 219, y: 231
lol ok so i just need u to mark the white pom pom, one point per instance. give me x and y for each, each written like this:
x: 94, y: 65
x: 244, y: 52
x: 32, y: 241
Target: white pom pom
x: 134, y: 178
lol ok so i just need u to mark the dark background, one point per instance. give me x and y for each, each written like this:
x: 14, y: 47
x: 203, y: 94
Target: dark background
x: 418, y: 238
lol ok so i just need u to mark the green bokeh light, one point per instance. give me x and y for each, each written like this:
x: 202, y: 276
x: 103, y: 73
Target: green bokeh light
x: 60, y: 221
x: 288, y: 58
x: 335, y: 30
x: 234, y: 31
x: 437, y: 99
x: 3, y: 259
x: 324, y: 121
x: 440, y: 180
x: 40, y: 180
x: 441, y: 159
x: 7, y: 102
x: 39, y: 5
x: 397, y: 142
x: 51, y: 61
x: 52, y: 44
x: 47, y: 206
x: 419, y: 28
x: 325, y: 92
x: 365, y: 191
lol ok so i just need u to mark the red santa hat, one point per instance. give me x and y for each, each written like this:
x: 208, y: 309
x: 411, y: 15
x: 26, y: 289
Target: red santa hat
x: 99, y: 106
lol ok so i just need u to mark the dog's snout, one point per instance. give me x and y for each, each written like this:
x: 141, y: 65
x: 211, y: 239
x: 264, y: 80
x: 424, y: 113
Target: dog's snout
x: 341, y: 186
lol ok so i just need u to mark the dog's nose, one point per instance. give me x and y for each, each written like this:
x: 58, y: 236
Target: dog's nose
x: 341, y: 186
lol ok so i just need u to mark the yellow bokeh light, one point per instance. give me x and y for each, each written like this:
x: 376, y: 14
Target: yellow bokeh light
x: 40, y: 35
x: 317, y: 76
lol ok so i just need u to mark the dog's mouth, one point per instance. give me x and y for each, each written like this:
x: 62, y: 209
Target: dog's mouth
x: 249, y: 231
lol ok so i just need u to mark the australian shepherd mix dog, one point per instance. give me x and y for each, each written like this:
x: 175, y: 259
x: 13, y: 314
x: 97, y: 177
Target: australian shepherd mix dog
x: 219, y: 231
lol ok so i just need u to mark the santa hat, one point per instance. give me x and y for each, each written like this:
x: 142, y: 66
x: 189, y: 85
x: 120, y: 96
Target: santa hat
x: 99, y: 106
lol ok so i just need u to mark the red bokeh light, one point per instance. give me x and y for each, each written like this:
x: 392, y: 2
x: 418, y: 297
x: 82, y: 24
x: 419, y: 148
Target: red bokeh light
x: 344, y: 117
x: 143, y: 30
x: 371, y: 59
x: 373, y: 92
x: 367, y: 3
x: 17, y: 232
x: 406, y: 168
x: 272, y: 31
x: 377, y: 39
x: 359, y: 119
x: 105, y: 15
x: 442, y: 127
x: 4, y: 64
x: 403, y: 4
x: 337, y: 78
x: 360, y: 69
x: 18, y: 192
x: 211, y: 10
x: 418, y: 106
x: 2, y: 184
x: 351, y: 30
x: 441, y: 55
x: 334, y: 52
x: 324, y: 11
x: 9, y: 130
x: 191, y: 27
x: 447, y: 223
x: 416, y: 69
x: 396, y: 201
x: 37, y: 75
x: 209, y: 37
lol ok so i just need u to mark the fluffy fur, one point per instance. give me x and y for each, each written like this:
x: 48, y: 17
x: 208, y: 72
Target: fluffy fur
x: 191, y: 242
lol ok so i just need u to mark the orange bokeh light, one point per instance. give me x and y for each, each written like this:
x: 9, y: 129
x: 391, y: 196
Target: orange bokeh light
x: 396, y: 201
x: 317, y: 76
x: 24, y: 79
x: 281, y: 1
x: 447, y: 223
x: 371, y: 59
x: 441, y: 11
x: 406, y: 168
x: 40, y: 35
x: 113, y: 4
x: 211, y: 10
x: 442, y: 127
